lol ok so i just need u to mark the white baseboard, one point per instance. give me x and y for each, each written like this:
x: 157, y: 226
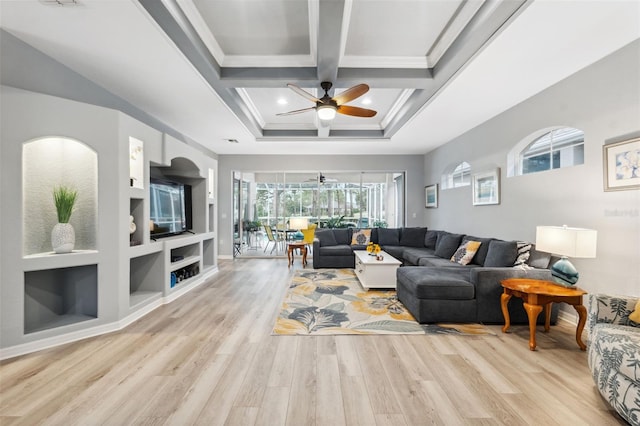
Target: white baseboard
x: 568, y: 317
x: 225, y: 257
x: 50, y: 342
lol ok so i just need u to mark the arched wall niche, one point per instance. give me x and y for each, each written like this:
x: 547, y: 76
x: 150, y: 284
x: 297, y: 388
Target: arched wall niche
x: 49, y: 162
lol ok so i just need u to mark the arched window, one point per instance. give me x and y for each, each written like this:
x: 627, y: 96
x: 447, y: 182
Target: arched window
x: 456, y: 175
x: 546, y: 150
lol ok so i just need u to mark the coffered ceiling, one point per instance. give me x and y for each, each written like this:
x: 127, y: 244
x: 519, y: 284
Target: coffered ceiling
x: 217, y: 69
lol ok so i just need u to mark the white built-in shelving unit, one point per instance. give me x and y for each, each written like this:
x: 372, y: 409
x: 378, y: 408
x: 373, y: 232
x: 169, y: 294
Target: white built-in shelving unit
x: 112, y: 277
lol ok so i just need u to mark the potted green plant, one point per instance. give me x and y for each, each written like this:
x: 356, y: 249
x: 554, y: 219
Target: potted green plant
x: 63, y: 236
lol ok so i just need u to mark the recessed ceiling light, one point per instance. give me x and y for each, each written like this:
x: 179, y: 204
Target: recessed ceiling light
x: 282, y: 101
x: 366, y: 101
x: 232, y: 140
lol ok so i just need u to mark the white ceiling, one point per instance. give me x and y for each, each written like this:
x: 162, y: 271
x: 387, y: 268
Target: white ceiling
x: 436, y: 68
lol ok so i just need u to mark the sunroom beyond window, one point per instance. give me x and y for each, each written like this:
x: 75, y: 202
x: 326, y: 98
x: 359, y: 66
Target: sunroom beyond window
x: 558, y: 148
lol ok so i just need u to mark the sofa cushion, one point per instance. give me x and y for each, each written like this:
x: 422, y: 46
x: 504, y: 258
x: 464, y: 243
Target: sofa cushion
x: 447, y: 245
x: 442, y: 284
x: 361, y: 237
x: 337, y: 250
x: 465, y: 252
x: 501, y: 253
x: 412, y: 255
x: 440, y: 262
x: 326, y: 237
x: 395, y: 251
x: 430, y: 238
x: 481, y: 254
x: 343, y: 236
x: 389, y: 236
x: 538, y: 259
x: 412, y: 237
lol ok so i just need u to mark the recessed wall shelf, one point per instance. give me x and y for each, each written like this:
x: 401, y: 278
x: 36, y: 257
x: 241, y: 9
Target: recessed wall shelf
x: 59, y: 297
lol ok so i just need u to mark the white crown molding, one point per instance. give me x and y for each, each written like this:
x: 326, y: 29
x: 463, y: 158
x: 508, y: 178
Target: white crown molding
x: 193, y: 15
x: 414, y: 62
x: 290, y: 126
x: 395, y: 108
x: 458, y: 23
x: 253, y: 109
x: 268, y: 61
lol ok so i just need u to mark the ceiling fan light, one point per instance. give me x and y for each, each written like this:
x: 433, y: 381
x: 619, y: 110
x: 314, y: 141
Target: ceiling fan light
x: 326, y: 112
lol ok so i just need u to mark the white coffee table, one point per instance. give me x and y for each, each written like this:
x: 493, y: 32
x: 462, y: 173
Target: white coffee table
x: 374, y: 273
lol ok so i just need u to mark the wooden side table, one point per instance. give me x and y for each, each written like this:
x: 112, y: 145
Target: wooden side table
x: 539, y: 293
x: 303, y: 249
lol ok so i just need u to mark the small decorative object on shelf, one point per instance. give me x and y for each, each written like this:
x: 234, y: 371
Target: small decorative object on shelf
x: 379, y: 257
x: 63, y: 237
x: 373, y: 249
x: 132, y: 225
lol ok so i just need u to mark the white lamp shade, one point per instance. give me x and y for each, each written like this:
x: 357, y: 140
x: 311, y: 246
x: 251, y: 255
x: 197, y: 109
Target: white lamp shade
x: 298, y: 223
x: 326, y: 112
x: 565, y: 241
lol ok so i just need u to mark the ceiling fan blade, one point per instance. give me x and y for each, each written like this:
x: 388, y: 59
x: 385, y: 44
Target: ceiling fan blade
x: 356, y: 111
x: 302, y: 93
x: 351, y: 94
x: 297, y: 111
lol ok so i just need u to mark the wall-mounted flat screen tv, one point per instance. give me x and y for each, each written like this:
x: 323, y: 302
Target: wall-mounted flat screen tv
x: 170, y: 207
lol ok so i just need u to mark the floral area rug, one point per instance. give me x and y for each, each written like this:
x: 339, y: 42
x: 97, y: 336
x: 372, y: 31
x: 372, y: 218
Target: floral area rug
x: 331, y: 301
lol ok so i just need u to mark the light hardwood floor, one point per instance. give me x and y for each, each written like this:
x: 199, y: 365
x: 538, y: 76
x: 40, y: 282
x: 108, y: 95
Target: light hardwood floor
x: 208, y: 358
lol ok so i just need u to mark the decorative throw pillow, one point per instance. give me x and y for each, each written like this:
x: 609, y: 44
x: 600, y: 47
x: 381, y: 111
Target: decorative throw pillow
x: 361, y: 237
x: 501, y: 253
x: 389, y: 236
x: 523, y: 250
x: 326, y: 238
x: 412, y: 237
x: 465, y: 252
x: 635, y: 315
x: 447, y: 245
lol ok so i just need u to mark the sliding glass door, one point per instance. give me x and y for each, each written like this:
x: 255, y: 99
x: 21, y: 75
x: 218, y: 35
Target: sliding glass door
x: 336, y: 199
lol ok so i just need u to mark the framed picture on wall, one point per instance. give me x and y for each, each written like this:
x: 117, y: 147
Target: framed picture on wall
x: 486, y: 188
x: 622, y: 165
x: 431, y: 196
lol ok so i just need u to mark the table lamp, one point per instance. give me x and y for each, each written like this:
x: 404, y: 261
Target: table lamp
x: 566, y: 242
x: 298, y: 223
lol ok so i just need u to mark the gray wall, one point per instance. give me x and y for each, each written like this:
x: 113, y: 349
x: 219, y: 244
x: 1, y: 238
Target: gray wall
x: 48, y: 76
x: 604, y: 101
x: 411, y: 164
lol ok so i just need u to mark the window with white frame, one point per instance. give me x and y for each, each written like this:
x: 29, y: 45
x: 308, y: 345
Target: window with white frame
x: 563, y: 147
x: 456, y: 175
x: 547, y: 149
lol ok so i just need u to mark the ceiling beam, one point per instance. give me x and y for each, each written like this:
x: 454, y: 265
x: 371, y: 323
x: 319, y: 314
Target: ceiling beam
x: 329, y: 37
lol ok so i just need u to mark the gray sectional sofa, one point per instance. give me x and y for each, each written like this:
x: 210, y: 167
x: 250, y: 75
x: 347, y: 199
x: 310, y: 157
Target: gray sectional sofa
x: 432, y: 286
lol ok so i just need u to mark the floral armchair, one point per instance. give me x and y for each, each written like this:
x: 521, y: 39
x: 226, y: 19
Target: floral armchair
x: 614, y: 353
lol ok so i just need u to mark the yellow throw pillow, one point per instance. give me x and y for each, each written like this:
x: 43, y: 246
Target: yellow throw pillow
x: 635, y: 315
x: 361, y: 237
x: 465, y: 252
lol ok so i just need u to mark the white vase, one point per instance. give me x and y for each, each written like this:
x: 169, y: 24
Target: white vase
x: 63, y: 238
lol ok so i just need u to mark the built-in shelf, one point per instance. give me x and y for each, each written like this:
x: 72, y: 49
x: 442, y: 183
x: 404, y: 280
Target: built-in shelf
x: 208, y: 253
x: 184, y: 263
x: 143, y: 297
x: 51, y: 260
x: 59, y: 297
x: 136, y: 193
x: 146, y: 278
